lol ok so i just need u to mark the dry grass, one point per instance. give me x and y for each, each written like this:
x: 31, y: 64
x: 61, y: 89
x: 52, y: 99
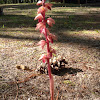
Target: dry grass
x: 78, y: 32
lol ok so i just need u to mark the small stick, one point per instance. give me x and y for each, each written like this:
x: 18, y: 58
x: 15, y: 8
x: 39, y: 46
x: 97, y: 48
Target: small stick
x: 17, y: 92
x: 25, y: 80
x: 57, y: 95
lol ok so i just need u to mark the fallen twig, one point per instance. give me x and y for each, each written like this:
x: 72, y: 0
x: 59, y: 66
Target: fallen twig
x: 17, y: 92
x: 57, y: 95
x: 25, y: 80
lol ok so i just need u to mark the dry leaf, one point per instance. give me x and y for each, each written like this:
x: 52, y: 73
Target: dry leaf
x: 23, y: 67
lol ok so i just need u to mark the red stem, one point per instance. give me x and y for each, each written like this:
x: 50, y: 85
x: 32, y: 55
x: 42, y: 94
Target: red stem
x: 49, y: 68
x: 48, y: 51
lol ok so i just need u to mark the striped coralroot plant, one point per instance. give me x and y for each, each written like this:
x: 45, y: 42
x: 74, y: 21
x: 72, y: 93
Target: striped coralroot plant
x: 43, y: 22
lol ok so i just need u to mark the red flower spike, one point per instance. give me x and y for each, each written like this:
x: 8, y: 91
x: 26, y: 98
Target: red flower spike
x: 42, y: 43
x: 49, y: 37
x: 39, y: 16
x: 42, y: 9
x: 50, y: 21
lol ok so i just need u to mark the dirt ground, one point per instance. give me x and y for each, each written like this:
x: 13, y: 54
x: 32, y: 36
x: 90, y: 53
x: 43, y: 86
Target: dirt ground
x: 79, y: 80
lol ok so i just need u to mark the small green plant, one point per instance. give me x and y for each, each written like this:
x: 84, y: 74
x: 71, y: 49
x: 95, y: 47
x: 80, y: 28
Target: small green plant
x: 68, y: 82
x: 3, y: 26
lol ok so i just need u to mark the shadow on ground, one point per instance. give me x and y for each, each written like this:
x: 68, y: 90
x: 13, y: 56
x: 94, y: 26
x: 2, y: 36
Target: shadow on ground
x: 21, y: 6
x: 64, y: 22
x: 16, y: 21
x: 33, y: 5
x: 64, y: 71
x: 97, y: 4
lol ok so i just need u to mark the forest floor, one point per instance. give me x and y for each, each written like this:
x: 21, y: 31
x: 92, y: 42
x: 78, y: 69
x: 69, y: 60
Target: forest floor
x: 78, y: 31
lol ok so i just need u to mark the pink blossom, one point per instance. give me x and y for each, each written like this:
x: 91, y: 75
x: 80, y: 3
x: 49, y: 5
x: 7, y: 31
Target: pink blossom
x: 43, y: 58
x: 42, y: 9
x: 39, y: 20
x: 39, y: 16
x: 51, y: 37
x: 42, y: 43
x: 43, y: 31
x: 49, y: 55
x: 40, y: 25
x: 50, y: 21
x: 39, y: 3
x: 52, y: 50
x: 48, y: 5
x: 47, y: 30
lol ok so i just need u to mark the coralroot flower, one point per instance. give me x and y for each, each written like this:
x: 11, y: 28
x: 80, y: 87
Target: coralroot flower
x: 42, y: 9
x: 51, y: 37
x: 39, y: 3
x: 39, y: 16
x: 40, y: 25
x: 49, y: 55
x: 42, y: 43
x: 43, y: 58
x: 42, y: 31
x: 47, y: 30
x: 48, y: 5
x: 52, y: 50
x: 50, y: 21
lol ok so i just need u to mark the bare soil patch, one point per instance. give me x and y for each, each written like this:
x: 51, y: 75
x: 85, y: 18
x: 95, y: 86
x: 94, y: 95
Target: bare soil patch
x: 80, y: 80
